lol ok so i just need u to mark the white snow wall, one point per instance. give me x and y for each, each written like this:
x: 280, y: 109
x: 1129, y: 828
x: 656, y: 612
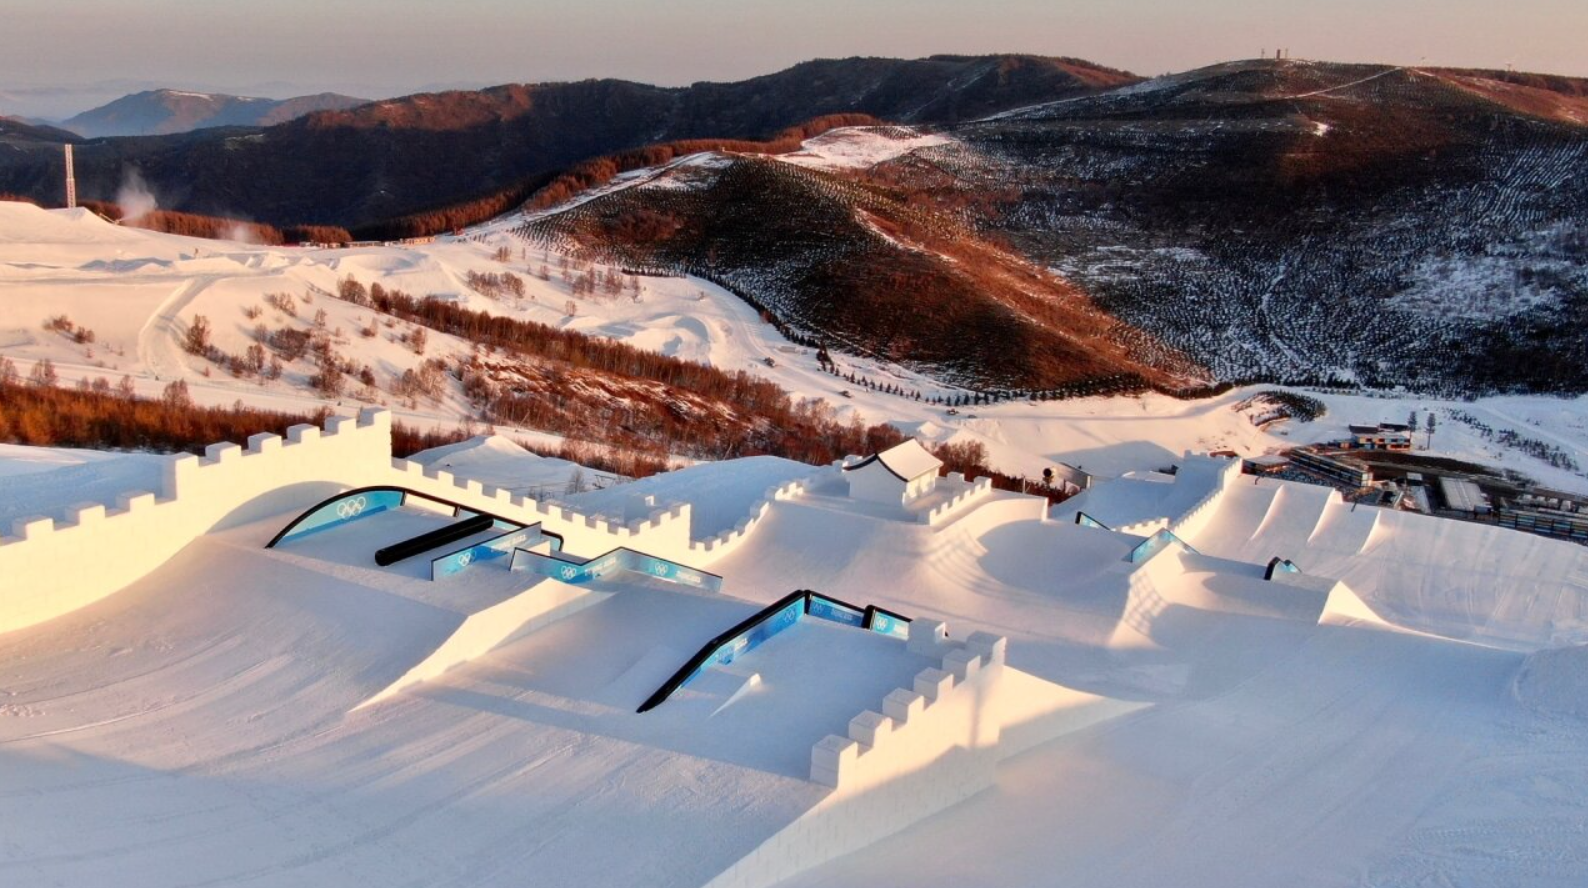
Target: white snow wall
x: 935, y: 744
x: 725, y: 542
x: 51, y: 568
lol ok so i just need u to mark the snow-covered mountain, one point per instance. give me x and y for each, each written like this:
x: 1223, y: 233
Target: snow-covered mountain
x: 365, y: 165
x: 1278, y: 220
x: 1309, y: 221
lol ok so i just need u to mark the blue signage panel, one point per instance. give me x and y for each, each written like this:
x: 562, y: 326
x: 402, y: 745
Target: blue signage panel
x: 569, y: 572
x: 753, y: 637
x: 496, y: 547
x: 887, y: 624
x: 348, y: 508
x: 1153, y: 545
x: 672, y: 571
x: 828, y: 609
x: 621, y: 559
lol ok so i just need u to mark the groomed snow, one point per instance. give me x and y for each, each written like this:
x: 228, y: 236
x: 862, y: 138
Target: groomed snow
x: 720, y: 494
x: 46, y: 480
x: 504, y: 464
x: 1244, y: 736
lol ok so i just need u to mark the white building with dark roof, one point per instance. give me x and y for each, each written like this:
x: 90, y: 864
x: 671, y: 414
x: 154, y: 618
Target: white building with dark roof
x: 897, y: 475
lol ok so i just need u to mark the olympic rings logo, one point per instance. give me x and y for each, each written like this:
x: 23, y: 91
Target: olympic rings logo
x: 351, y: 508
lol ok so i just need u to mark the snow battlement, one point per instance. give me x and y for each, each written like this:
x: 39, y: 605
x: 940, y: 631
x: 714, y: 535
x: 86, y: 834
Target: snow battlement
x: 921, y: 723
x: 587, y: 534
x: 973, y: 492
x: 728, y: 540
x: 56, y: 567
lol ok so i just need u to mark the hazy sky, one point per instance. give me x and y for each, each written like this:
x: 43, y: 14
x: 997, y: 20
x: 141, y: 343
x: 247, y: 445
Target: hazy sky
x: 376, y: 48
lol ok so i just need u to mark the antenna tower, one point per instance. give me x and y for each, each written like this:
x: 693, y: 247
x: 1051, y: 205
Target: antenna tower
x: 71, y: 181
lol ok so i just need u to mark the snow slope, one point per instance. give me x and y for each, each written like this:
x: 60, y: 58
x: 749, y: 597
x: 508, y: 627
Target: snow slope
x: 1500, y: 587
x: 502, y: 463
x: 35, y: 479
x: 138, y: 291
x: 1282, y: 750
x: 860, y: 147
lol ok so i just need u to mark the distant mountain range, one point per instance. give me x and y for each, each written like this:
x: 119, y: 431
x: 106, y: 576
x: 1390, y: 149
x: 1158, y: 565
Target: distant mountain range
x: 1065, y: 225
x: 383, y: 159
x: 17, y: 132
x: 168, y: 111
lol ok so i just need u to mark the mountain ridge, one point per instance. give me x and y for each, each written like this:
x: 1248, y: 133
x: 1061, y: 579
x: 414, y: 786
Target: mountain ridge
x: 171, y: 111
x: 399, y: 156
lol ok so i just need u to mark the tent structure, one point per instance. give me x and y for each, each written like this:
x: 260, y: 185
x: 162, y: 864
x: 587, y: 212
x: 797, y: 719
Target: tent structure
x: 896, y: 475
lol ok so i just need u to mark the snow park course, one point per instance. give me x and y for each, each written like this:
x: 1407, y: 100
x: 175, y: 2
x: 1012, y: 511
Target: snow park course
x: 828, y: 698
x: 257, y: 574
x: 1183, y: 675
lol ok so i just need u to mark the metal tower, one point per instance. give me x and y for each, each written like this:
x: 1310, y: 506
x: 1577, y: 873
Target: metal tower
x: 71, y: 180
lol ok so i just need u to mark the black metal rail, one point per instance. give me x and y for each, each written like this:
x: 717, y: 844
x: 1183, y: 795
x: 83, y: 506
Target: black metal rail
x: 433, y: 539
x: 710, y: 648
x: 1087, y: 520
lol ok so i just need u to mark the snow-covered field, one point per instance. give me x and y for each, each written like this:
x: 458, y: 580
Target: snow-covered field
x: 1407, y: 711
x: 860, y: 147
x: 139, y: 291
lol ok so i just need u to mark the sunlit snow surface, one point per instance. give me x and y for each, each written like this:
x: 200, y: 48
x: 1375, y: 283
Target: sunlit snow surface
x: 138, y: 291
x: 211, y: 706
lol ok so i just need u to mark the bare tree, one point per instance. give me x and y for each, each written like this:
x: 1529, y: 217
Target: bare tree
x: 44, y: 375
x: 197, y: 340
x: 176, y: 395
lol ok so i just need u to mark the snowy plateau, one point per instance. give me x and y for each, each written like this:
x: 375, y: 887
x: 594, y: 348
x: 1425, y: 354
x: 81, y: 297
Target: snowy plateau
x: 258, y: 666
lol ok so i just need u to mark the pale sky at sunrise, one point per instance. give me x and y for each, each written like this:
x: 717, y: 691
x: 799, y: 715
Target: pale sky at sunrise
x: 378, y: 48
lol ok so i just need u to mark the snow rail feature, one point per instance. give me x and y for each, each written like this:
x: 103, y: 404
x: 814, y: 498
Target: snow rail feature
x: 361, y: 502
x: 433, y: 539
x: 769, y: 621
x: 1277, y: 565
x: 621, y: 558
x: 1154, y: 544
x: 456, y: 561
